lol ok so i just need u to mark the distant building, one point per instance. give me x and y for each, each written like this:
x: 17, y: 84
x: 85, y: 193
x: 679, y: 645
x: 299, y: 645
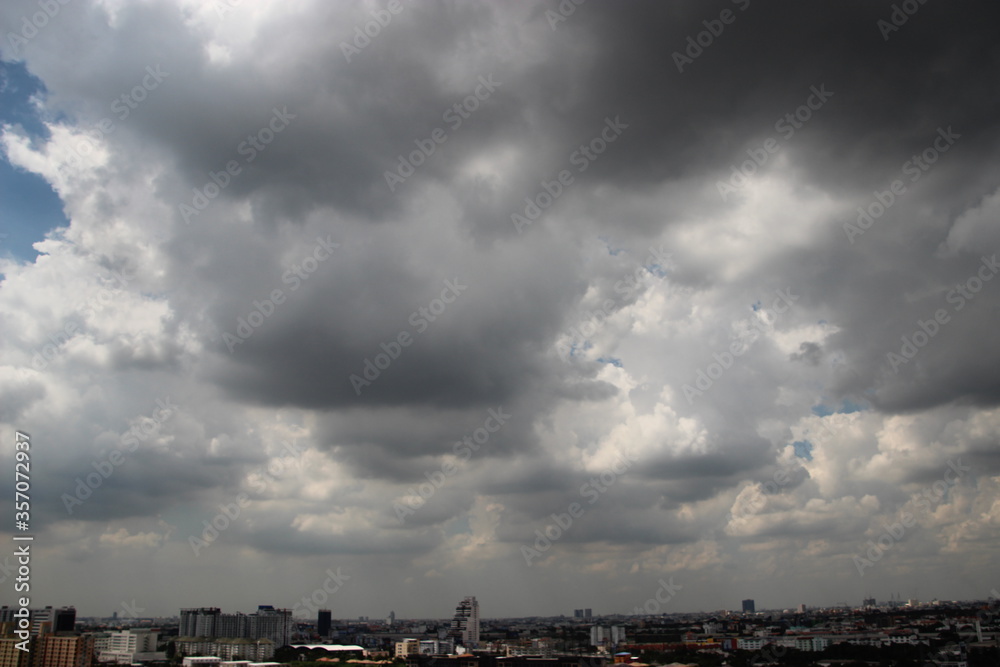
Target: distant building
x: 198, y: 622
x: 465, y: 625
x: 229, y: 648
x: 436, y: 646
x: 606, y: 637
x: 209, y: 622
x: 340, y: 651
x: 41, y: 621
x: 749, y: 607
x: 201, y: 661
x: 324, y: 622
x: 128, y: 646
x: 587, y: 613
x: 65, y: 619
x: 10, y: 655
x: 407, y: 647
x: 63, y: 651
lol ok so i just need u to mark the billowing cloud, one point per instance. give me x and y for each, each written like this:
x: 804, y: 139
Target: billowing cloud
x: 465, y: 298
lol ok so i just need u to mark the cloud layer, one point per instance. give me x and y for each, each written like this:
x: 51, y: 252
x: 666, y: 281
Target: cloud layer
x: 317, y: 252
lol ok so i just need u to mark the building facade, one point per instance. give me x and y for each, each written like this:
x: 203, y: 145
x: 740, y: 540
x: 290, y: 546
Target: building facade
x: 269, y: 623
x: 63, y: 651
x: 324, y: 622
x: 465, y: 625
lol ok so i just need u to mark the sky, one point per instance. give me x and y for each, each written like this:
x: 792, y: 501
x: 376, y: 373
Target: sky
x: 373, y: 306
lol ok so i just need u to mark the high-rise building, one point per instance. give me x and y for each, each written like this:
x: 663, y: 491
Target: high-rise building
x: 324, y: 622
x: 391, y: 619
x: 65, y: 619
x: 436, y: 647
x: 232, y: 625
x: 465, y: 625
x: 271, y: 623
x: 198, y: 622
x: 41, y: 621
x: 63, y: 651
x: 407, y: 647
x: 10, y: 655
x: 125, y: 647
x: 267, y: 623
x: 749, y: 607
x: 587, y: 613
x: 607, y: 636
x: 577, y: 613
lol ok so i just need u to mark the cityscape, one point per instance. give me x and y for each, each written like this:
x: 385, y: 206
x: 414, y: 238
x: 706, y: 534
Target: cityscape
x: 894, y: 632
x: 499, y: 333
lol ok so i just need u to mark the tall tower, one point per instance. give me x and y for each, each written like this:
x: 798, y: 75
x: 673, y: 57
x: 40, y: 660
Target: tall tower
x: 465, y: 625
x: 749, y: 607
x: 324, y: 622
x: 65, y: 619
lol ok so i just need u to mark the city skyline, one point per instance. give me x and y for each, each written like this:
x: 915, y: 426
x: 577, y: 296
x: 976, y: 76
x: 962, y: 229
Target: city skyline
x: 893, y: 601
x: 371, y: 307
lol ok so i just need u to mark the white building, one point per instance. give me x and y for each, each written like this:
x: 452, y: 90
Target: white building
x: 604, y: 637
x: 465, y: 625
x: 127, y: 646
x: 235, y: 648
x: 407, y: 647
x: 436, y: 647
x: 201, y: 661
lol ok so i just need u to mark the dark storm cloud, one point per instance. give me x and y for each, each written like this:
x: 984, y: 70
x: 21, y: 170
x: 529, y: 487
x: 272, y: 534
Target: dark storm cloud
x: 355, y: 118
x: 762, y: 66
x: 325, y: 357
